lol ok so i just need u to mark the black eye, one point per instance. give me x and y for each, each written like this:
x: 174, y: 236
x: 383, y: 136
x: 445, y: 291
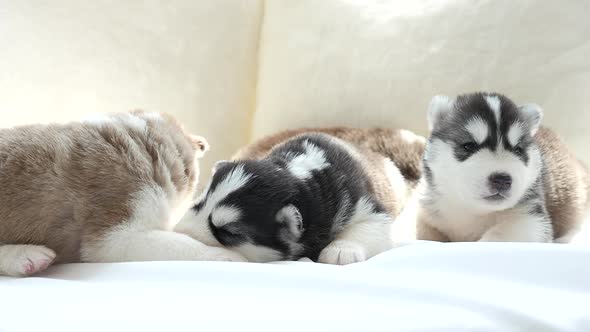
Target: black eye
x: 470, y: 147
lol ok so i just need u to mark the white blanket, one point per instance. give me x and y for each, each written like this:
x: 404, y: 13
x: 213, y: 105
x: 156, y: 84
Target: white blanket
x: 430, y: 287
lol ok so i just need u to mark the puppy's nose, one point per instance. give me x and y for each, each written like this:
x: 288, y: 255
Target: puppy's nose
x: 500, y: 182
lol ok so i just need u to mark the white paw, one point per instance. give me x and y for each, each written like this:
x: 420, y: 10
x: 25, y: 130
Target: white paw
x: 224, y: 255
x: 25, y: 260
x: 499, y: 237
x: 491, y: 238
x: 342, y: 253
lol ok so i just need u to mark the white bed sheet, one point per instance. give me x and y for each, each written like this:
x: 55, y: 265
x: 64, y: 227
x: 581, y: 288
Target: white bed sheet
x: 427, y: 287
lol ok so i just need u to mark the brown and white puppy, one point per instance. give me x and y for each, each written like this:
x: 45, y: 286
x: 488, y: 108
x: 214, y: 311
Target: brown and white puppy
x: 108, y: 189
x: 491, y: 173
x: 328, y: 194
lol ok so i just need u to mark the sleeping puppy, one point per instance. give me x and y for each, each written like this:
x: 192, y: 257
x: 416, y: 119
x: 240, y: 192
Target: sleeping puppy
x: 309, y: 195
x: 109, y: 189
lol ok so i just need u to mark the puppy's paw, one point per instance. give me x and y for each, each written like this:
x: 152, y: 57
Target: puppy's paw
x: 342, y: 253
x: 25, y: 260
x: 305, y: 259
x: 224, y: 255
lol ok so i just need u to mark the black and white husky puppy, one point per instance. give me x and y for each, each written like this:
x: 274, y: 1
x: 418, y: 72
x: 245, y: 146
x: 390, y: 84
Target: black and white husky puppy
x: 312, y: 196
x: 492, y: 173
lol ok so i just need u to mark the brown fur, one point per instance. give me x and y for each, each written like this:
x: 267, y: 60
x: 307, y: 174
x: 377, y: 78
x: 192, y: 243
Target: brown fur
x: 566, y: 183
x: 375, y: 145
x: 64, y: 186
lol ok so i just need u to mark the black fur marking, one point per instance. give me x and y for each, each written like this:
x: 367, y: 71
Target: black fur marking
x: 521, y: 149
x: 197, y: 207
x: 471, y: 106
x: 228, y: 235
x: 538, y: 210
x: 428, y: 174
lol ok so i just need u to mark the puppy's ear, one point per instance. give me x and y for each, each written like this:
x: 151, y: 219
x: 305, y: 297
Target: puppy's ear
x: 291, y: 217
x: 440, y: 106
x: 219, y: 164
x: 533, y: 114
x: 200, y: 144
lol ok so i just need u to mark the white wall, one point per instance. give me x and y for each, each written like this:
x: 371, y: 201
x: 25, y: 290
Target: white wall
x: 197, y: 60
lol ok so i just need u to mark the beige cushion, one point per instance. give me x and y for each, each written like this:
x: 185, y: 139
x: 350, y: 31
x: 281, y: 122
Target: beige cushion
x: 195, y: 59
x: 368, y: 63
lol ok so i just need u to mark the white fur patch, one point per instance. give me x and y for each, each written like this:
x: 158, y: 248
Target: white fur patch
x: 258, y: 254
x: 579, y: 235
x: 534, y: 114
x: 234, y: 180
x: 438, y: 107
x: 291, y: 216
x: 195, y: 225
x: 314, y: 159
x: 515, y: 133
x: 524, y: 228
x: 133, y: 121
x: 342, y: 252
x: 223, y: 215
x: 363, y: 209
x: 145, y: 236
x: 151, y: 210
x: 126, y: 119
x: 478, y: 129
x: 97, y: 119
x: 494, y: 104
x: 367, y: 234
x: 396, y: 180
x: 409, y: 137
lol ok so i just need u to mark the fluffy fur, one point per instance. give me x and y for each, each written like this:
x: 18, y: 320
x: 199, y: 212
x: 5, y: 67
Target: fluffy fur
x: 107, y: 189
x: 402, y: 147
x: 304, y: 193
x: 492, y: 173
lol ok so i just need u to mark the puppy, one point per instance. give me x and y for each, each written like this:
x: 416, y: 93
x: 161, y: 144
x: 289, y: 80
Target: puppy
x: 492, y: 173
x: 303, y: 194
x: 109, y: 189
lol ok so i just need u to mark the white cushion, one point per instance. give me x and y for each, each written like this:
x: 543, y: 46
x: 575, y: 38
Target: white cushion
x: 193, y: 59
x: 378, y: 63
x: 430, y: 287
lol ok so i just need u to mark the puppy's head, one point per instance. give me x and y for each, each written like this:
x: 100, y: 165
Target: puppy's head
x: 250, y: 207
x: 170, y: 144
x: 481, y: 152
